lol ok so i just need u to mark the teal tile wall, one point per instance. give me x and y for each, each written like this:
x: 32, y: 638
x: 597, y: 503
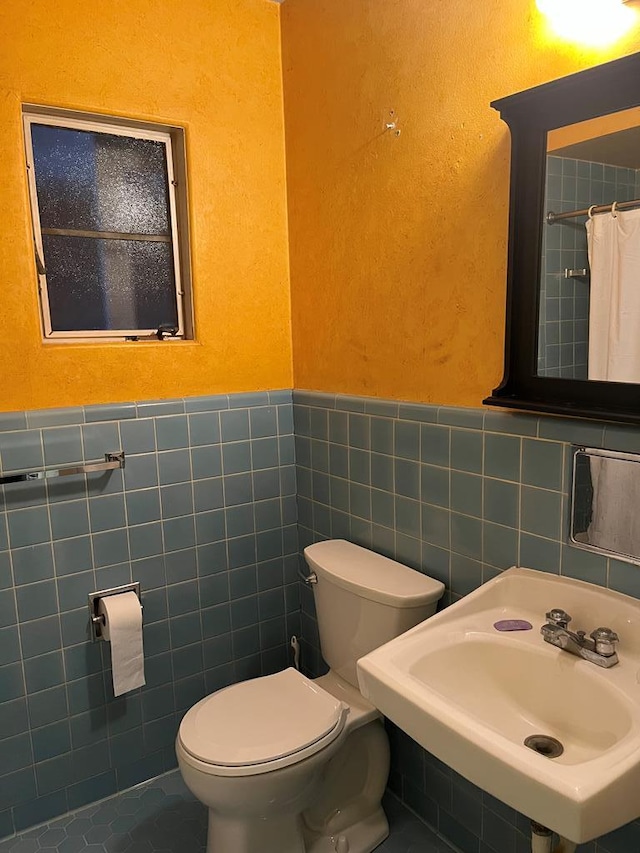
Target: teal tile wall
x: 204, y: 516
x: 460, y: 494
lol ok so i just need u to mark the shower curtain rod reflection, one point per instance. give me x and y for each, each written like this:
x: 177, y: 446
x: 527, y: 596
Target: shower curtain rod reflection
x: 552, y: 217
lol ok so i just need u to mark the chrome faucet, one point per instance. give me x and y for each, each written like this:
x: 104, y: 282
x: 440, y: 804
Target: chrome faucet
x: 599, y: 647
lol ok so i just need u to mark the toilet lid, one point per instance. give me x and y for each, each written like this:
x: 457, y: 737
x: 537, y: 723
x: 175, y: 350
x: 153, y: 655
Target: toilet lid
x: 262, y: 720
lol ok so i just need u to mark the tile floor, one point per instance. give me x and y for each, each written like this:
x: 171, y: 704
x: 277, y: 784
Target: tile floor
x: 161, y: 816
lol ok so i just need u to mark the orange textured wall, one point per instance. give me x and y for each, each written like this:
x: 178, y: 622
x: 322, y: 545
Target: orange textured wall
x: 214, y: 68
x: 398, y: 245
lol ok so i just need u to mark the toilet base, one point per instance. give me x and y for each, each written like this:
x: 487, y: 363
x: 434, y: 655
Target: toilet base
x: 281, y: 834
x: 361, y: 837
x: 329, y: 802
x: 287, y: 834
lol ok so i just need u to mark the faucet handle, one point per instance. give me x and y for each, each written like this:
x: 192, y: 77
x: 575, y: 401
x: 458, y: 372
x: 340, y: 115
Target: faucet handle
x: 605, y: 641
x: 558, y: 617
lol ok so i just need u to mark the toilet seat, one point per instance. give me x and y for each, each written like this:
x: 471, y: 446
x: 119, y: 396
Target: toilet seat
x: 261, y: 724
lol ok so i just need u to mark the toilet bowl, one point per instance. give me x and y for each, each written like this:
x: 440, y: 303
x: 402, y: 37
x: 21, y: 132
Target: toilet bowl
x: 287, y: 764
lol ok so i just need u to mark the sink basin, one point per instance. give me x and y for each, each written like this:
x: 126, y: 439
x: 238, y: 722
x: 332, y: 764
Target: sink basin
x: 518, y: 691
x: 472, y: 695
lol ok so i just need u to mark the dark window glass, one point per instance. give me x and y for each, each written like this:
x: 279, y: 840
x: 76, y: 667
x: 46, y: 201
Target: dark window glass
x: 97, y: 284
x: 94, y: 190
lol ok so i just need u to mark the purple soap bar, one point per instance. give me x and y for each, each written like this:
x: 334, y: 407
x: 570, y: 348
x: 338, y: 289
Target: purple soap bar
x: 513, y: 625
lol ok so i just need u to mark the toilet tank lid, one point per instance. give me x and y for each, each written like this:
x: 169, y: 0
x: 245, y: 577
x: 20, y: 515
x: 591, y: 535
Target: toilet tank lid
x: 371, y: 575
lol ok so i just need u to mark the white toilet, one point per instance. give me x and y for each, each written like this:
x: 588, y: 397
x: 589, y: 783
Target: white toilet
x: 286, y: 764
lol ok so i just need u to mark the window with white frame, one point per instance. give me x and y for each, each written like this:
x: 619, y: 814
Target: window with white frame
x: 111, y: 253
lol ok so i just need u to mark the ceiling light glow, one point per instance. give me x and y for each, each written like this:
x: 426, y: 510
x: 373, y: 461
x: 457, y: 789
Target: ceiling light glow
x: 591, y: 22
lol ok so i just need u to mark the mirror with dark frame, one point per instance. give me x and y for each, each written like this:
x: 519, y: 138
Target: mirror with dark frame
x: 573, y: 291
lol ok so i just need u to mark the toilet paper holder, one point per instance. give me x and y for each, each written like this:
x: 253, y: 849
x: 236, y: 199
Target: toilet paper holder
x: 96, y: 619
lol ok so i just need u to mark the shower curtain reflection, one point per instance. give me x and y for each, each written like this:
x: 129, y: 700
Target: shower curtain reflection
x: 614, y: 312
x: 614, y: 356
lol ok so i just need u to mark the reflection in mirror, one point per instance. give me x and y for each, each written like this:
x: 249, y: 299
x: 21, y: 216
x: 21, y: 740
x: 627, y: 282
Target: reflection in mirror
x: 604, y: 500
x: 589, y: 308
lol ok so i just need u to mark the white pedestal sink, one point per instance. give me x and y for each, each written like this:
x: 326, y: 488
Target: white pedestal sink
x: 471, y: 695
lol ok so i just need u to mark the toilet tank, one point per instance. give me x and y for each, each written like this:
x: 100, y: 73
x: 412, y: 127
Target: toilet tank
x: 364, y: 600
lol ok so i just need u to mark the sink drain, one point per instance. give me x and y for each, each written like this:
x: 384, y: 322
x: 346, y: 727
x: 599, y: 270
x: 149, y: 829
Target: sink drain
x: 544, y: 745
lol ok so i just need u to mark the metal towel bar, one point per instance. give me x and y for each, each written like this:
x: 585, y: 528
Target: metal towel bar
x: 111, y: 462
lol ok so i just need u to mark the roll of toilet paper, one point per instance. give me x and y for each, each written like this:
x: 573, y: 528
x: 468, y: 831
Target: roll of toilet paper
x: 123, y: 628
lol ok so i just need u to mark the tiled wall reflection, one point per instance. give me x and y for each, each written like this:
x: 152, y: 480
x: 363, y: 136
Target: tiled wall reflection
x: 460, y: 494
x: 204, y: 516
x: 563, y: 328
